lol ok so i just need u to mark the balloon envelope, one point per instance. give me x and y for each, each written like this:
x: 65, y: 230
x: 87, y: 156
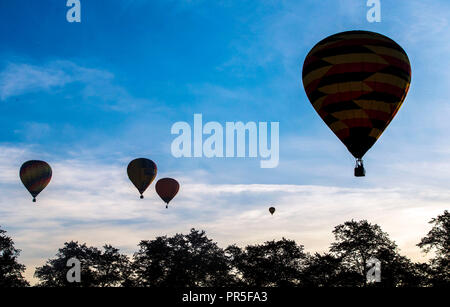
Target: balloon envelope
x: 357, y: 81
x: 35, y: 176
x: 141, y: 172
x: 272, y: 210
x: 167, y: 188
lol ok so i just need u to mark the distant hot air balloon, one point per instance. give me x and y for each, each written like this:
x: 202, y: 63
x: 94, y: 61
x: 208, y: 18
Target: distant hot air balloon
x: 167, y: 188
x: 142, y: 172
x: 272, y: 210
x: 357, y: 81
x: 35, y: 176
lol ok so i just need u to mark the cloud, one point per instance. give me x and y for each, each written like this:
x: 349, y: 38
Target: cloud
x: 93, y: 202
x: 21, y: 78
x: 34, y: 130
x: 426, y: 23
x: 282, y: 35
x: 17, y: 79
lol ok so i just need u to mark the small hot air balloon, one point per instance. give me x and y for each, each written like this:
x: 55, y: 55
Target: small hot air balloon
x: 142, y: 172
x: 167, y: 188
x: 357, y: 81
x: 272, y: 210
x: 35, y: 176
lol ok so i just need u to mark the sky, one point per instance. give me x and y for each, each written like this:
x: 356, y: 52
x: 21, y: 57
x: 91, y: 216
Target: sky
x: 89, y: 97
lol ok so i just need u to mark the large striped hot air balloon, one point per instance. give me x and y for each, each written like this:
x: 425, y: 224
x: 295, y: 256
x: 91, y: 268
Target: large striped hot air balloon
x: 35, y: 176
x: 142, y: 172
x: 357, y: 81
x: 167, y: 188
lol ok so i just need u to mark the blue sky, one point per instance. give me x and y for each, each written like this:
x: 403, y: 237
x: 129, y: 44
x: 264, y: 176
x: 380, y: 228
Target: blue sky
x: 90, y: 97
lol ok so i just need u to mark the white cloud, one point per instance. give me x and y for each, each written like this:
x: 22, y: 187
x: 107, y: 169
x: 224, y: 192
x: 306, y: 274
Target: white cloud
x: 426, y: 22
x: 94, y: 202
x: 18, y: 79
x: 21, y: 78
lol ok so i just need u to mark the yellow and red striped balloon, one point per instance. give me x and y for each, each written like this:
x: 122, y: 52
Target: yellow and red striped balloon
x: 357, y: 81
x: 142, y: 172
x: 35, y: 176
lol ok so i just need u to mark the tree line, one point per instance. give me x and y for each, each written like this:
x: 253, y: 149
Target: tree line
x: 194, y: 260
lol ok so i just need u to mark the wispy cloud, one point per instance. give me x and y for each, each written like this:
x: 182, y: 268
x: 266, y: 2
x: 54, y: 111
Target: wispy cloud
x: 423, y: 22
x: 18, y: 79
x: 33, y: 131
x: 94, y: 202
x: 91, y: 200
x: 21, y: 78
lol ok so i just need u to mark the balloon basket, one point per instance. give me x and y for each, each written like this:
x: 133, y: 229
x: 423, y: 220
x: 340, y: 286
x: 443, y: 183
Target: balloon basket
x: 359, y: 168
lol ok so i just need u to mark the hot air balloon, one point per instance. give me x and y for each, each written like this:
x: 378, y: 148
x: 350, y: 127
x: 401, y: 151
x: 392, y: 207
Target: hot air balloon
x: 167, y: 188
x: 141, y: 172
x: 357, y: 81
x: 272, y: 210
x: 35, y: 176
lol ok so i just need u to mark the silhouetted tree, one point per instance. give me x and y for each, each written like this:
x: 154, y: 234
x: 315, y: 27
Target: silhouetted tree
x: 181, y: 261
x: 193, y: 260
x: 438, y: 240
x: 328, y: 271
x: 10, y: 270
x: 357, y: 242
x: 97, y: 269
x: 275, y: 263
x: 399, y: 271
x: 113, y: 269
